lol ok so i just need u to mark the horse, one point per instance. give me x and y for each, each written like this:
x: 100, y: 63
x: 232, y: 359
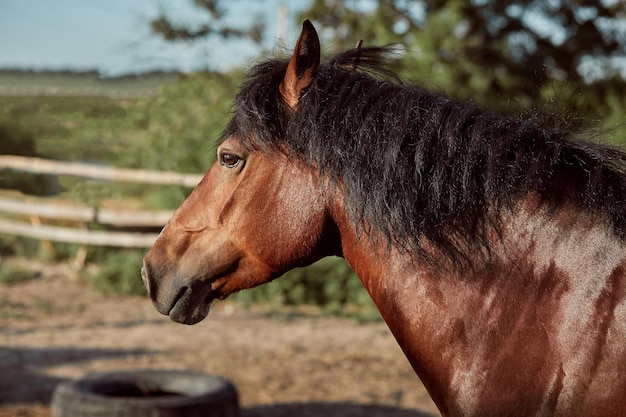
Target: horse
x: 493, y: 245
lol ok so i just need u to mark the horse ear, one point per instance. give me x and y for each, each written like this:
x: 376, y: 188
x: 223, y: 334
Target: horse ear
x: 302, y: 67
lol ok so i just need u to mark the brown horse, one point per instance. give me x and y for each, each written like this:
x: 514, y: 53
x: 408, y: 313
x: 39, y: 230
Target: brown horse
x: 493, y: 246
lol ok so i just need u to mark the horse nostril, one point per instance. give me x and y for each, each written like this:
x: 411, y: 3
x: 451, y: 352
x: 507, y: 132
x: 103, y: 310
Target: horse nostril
x: 145, y: 278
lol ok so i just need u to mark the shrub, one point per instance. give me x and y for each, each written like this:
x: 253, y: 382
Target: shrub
x: 10, y: 275
x: 119, y: 274
x: 15, y: 140
x: 177, y: 130
x: 329, y: 283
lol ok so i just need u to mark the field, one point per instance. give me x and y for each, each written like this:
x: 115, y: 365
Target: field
x: 46, y: 83
x: 288, y: 362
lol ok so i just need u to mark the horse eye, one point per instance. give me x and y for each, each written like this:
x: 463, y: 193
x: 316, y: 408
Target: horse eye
x: 229, y: 160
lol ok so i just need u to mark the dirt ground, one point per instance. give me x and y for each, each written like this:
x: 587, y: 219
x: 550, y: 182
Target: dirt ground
x: 295, y: 363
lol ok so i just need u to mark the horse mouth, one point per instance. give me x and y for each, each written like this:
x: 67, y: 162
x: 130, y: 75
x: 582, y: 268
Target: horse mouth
x: 191, y: 305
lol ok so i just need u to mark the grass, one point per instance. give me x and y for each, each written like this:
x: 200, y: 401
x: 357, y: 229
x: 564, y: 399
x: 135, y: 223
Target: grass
x: 10, y: 275
x: 77, y: 84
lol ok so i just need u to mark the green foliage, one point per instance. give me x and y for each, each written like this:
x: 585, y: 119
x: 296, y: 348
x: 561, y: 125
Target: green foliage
x: 178, y: 129
x: 69, y: 128
x: 119, y: 274
x: 494, y: 52
x: 174, y: 130
x: 329, y: 283
x: 182, y: 123
x: 32, y: 184
x: 15, y: 139
x: 28, y: 248
x: 19, y: 247
x: 214, y: 26
x: 40, y: 84
x: 10, y: 275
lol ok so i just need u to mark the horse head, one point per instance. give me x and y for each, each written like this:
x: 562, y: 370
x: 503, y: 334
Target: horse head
x: 227, y: 236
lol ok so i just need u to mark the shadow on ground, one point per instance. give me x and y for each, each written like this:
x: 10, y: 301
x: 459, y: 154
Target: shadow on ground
x: 329, y: 410
x: 24, y: 390
x: 20, y: 381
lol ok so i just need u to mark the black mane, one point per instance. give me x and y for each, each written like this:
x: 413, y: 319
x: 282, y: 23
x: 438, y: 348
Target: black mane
x: 416, y: 165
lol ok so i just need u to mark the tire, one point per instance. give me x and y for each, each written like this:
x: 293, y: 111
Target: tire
x: 146, y: 393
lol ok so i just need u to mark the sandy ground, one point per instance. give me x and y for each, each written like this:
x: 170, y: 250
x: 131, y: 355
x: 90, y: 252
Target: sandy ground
x: 294, y: 363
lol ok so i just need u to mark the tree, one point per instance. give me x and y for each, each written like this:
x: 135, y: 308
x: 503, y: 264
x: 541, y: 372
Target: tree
x: 214, y: 26
x: 484, y: 48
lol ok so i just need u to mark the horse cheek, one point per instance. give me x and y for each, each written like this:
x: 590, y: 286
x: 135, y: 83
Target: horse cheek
x: 288, y: 229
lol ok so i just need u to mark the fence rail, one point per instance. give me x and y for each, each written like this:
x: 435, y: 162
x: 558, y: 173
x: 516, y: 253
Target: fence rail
x: 35, y: 209
x: 78, y: 169
x: 80, y: 236
x: 113, y: 217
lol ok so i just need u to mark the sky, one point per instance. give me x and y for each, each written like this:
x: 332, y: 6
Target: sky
x: 113, y: 36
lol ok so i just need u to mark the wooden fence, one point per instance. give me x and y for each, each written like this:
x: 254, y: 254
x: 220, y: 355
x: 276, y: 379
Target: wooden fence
x: 36, y: 209
x: 46, y: 166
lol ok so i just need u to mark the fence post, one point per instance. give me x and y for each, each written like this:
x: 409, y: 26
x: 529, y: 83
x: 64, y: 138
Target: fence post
x: 45, y: 244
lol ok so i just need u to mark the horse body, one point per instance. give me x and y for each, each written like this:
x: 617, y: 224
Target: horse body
x: 538, y: 334
x: 524, y: 317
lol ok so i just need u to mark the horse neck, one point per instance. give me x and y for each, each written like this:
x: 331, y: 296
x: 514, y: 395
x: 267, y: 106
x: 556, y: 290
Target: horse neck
x: 459, y: 328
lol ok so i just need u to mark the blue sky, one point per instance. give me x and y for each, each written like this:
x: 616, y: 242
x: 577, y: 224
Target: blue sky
x: 113, y: 36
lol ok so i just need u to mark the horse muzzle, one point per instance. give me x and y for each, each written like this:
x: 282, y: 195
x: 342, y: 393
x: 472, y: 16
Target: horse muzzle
x: 186, y: 304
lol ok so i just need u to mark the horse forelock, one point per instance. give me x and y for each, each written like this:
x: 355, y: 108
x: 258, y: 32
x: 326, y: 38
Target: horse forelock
x: 417, y: 166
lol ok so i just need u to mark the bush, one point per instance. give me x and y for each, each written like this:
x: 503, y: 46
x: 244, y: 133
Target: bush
x: 119, y: 274
x: 329, y: 283
x: 10, y: 275
x: 25, y: 247
x: 15, y: 140
x: 178, y: 129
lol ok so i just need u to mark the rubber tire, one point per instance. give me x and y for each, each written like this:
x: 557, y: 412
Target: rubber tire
x: 195, y: 395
